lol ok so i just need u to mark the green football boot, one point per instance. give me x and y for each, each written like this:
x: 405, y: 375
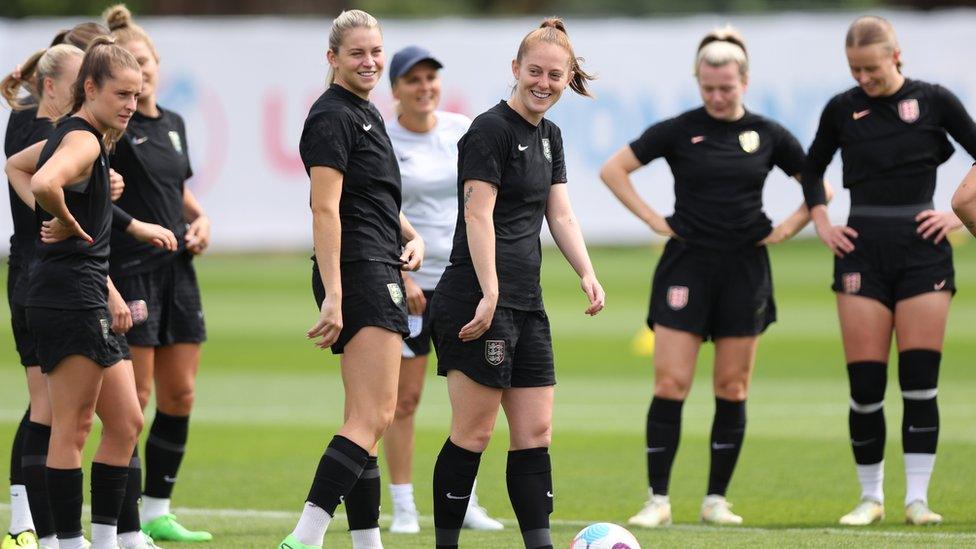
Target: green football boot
x: 24, y: 540
x: 292, y: 543
x: 165, y: 528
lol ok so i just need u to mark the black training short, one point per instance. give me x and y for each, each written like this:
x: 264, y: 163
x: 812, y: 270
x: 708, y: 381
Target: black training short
x: 712, y: 293
x: 23, y: 340
x: 516, y: 351
x: 419, y: 344
x: 372, y: 295
x: 60, y: 333
x: 172, y: 298
x: 892, y: 262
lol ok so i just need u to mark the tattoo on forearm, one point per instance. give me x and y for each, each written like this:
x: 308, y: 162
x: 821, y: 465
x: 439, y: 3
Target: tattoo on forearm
x: 467, y: 195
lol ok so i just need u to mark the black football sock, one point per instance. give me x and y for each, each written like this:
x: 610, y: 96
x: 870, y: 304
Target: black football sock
x: 17, y: 449
x: 728, y: 430
x: 918, y: 375
x: 129, y: 516
x: 454, y: 474
x: 64, y: 487
x: 866, y: 419
x: 529, y: 479
x: 33, y: 461
x: 663, y: 432
x: 339, y: 468
x: 107, y: 492
x: 165, y: 447
x: 363, y: 501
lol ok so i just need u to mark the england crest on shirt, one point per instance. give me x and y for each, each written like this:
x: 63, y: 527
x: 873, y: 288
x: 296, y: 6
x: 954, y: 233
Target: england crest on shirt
x: 678, y: 297
x: 546, y: 149
x: 908, y: 110
x: 494, y: 351
x: 174, y: 138
x: 749, y: 141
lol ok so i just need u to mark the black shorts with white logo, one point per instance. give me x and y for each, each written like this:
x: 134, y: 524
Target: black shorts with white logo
x: 23, y: 340
x: 60, y: 333
x: 372, y: 295
x: 712, y: 293
x: 892, y: 262
x: 516, y: 351
x: 418, y: 342
x: 172, y: 297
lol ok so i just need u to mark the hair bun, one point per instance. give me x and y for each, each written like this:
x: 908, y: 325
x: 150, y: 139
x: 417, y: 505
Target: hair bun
x: 117, y: 17
x: 554, y: 23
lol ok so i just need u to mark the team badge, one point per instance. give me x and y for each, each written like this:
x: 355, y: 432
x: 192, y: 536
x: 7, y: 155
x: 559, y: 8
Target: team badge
x: 749, y: 141
x: 105, y: 327
x: 852, y: 283
x: 174, y: 138
x: 908, y: 110
x: 395, y: 293
x: 677, y: 297
x: 546, y: 150
x: 495, y: 351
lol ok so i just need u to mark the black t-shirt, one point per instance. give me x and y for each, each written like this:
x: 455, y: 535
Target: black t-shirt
x: 73, y: 274
x: 24, y: 128
x: 719, y: 170
x: 890, y: 146
x: 523, y: 161
x: 153, y: 159
x: 345, y: 132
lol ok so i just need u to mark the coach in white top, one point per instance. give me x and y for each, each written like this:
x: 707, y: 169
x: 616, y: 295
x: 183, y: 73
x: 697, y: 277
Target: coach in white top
x: 425, y: 142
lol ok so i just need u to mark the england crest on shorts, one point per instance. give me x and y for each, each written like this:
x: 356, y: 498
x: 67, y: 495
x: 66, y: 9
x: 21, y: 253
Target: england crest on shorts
x: 174, y: 138
x: 852, y: 283
x: 749, y: 141
x: 677, y: 297
x: 908, y: 110
x: 494, y: 351
x: 105, y: 326
x: 546, y: 149
x: 395, y: 294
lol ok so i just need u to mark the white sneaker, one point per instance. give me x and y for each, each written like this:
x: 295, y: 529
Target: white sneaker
x: 476, y: 517
x: 918, y: 513
x: 717, y: 510
x: 867, y: 512
x: 143, y: 542
x: 656, y: 512
x: 405, y: 518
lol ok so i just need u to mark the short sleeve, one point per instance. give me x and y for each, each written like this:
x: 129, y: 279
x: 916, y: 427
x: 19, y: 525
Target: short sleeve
x: 120, y: 218
x: 482, y: 153
x: 558, y: 157
x: 327, y: 140
x: 655, y: 142
x: 186, y: 150
x: 788, y: 154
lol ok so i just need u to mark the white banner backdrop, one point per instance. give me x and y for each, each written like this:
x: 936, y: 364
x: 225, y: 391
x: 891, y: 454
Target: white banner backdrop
x: 244, y: 86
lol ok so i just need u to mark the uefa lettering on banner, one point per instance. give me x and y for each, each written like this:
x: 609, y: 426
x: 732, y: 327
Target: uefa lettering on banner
x: 852, y: 283
x: 908, y: 110
x: 495, y: 351
x: 677, y: 297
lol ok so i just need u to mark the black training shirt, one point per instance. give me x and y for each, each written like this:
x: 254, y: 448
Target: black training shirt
x: 890, y: 146
x: 72, y: 274
x: 523, y: 161
x: 153, y: 159
x: 345, y: 132
x: 719, y: 169
x: 24, y: 128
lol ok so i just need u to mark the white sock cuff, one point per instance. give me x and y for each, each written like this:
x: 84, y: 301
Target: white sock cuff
x: 919, y: 463
x: 366, y: 539
x: 397, y: 490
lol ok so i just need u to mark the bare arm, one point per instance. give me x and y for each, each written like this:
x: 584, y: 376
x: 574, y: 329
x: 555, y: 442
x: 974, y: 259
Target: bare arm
x: 20, y: 167
x: 479, y: 205
x: 616, y: 175
x: 793, y: 224
x: 197, y: 236
x: 413, y: 246
x: 327, y: 236
x: 964, y: 201
x: 569, y: 238
x: 70, y: 162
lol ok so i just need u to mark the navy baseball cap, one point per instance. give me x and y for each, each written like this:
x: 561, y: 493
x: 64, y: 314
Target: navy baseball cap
x: 405, y: 59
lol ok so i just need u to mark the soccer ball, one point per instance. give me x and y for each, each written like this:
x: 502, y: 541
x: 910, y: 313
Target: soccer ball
x: 604, y: 535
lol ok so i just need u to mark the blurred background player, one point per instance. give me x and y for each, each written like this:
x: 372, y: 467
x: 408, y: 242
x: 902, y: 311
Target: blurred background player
x: 425, y: 141
x: 153, y: 158
x: 893, y: 267
x: 490, y: 327
x: 355, y: 197
x: 74, y: 312
x: 964, y: 201
x: 713, y: 280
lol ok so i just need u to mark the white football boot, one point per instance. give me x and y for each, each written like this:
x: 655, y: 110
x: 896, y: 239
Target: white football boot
x: 405, y: 519
x: 656, y: 512
x: 717, y: 510
x: 476, y: 517
x: 867, y: 512
x: 918, y: 513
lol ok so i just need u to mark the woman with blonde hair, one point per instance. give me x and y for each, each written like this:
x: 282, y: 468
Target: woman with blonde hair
x: 362, y: 242
x: 713, y: 281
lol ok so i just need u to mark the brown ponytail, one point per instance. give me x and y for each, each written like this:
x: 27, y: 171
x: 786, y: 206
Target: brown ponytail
x: 11, y: 85
x: 553, y: 31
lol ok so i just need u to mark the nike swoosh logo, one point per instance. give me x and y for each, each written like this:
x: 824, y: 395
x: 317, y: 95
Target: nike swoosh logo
x: 656, y: 450
x: 522, y: 147
x: 549, y: 493
x: 859, y: 443
x: 452, y: 496
x: 140, y: 140
x: 940, y: 285
x: 717, y: 446
x: 860, y: 114
x: 367, y: 127
x: 697, y: 139
x: 169, y: 479
x: 914, y: 429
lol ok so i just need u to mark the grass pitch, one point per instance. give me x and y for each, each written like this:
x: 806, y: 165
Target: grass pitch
x: 268, y: 402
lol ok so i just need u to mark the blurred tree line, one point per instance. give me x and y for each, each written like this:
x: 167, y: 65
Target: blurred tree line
x: 436, y: 8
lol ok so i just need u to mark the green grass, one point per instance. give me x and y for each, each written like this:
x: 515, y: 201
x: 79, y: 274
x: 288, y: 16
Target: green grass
x: 268, y: 403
